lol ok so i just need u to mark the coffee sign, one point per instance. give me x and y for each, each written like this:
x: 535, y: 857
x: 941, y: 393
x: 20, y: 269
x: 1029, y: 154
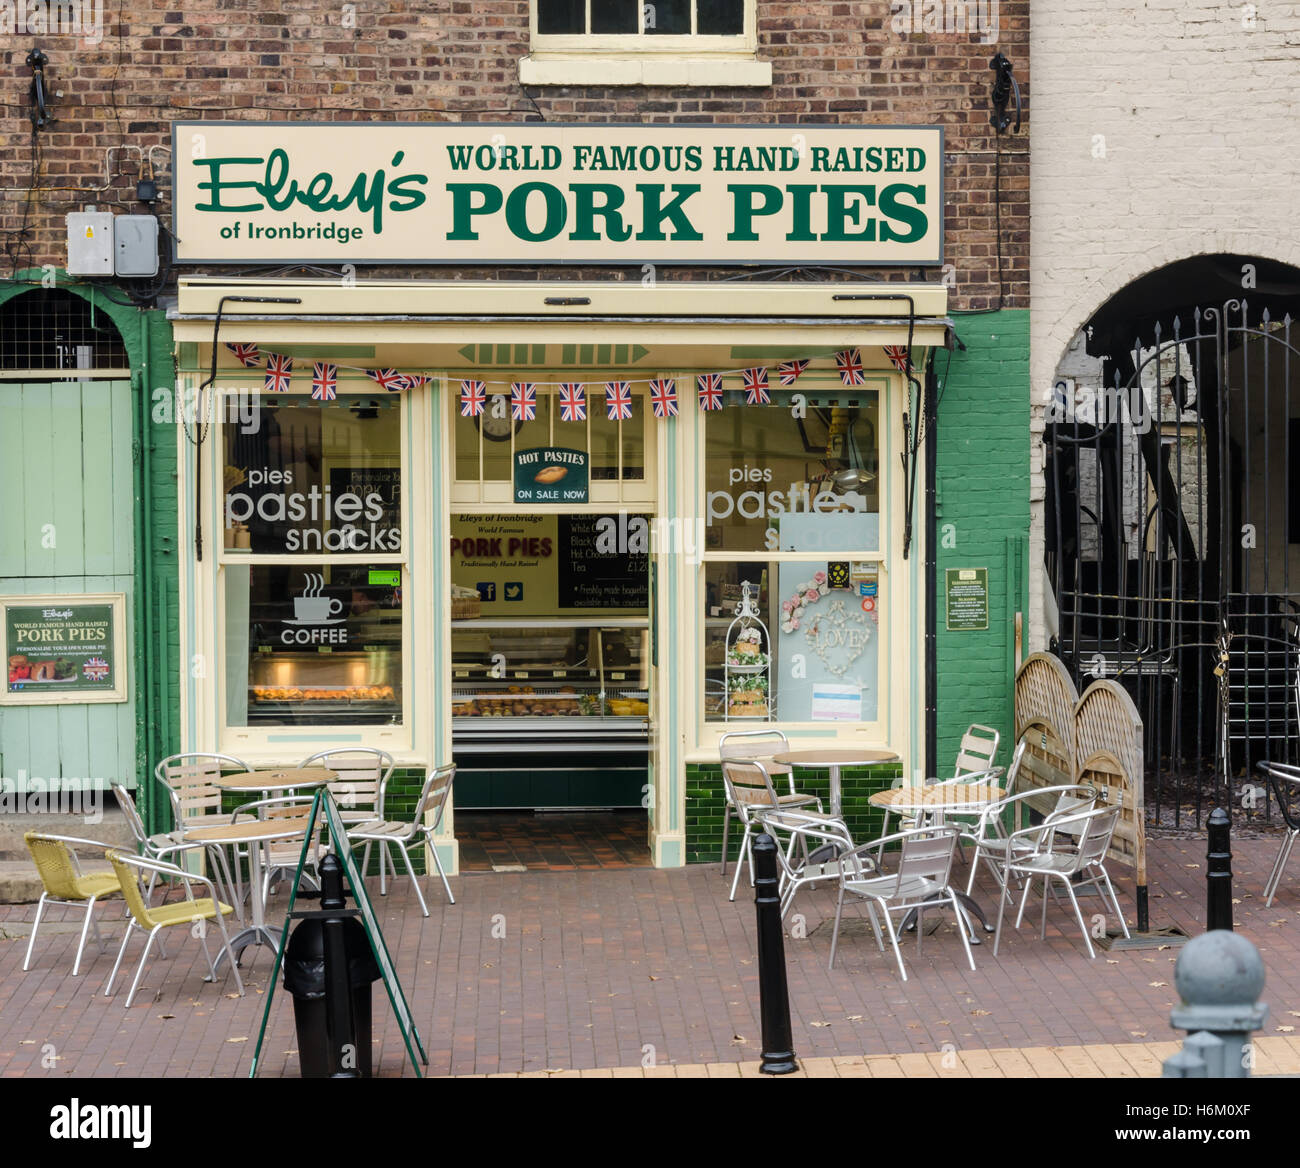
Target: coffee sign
x: 482, y: 193
x: 66, y: 648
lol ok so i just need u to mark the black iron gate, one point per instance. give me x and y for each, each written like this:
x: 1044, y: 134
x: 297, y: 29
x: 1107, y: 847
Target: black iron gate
x: 1173, y: 546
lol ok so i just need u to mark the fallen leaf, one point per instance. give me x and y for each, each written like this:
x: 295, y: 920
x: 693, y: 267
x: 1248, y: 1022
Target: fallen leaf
x: 1284, y: 1029
x: 1157, y: 983
x: 1191, y: 865
x: 652, y: 977
x: 979, y: 1013
x: 819, y: 1024
x: 166, y: 1016
x: 738, y: 1039
x: 1111, y: 961
x: 1138, y: 1033
x: 236, y: 1039
x: 855, y: 1017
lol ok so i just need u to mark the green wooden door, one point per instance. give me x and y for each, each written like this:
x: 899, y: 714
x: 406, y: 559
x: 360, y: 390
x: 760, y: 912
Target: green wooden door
x: 66, y: 527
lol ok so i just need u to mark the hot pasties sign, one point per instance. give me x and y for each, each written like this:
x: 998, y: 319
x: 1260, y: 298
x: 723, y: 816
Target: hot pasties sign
x: 489, y: 193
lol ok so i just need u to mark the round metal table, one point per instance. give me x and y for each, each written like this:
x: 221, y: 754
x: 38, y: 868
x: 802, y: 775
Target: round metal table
x: 832, y: 760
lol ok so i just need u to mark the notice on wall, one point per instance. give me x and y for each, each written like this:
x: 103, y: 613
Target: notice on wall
x: 967, y: 595
x: 836, y: 703
x: 604, y: 561
x: 64, y: 648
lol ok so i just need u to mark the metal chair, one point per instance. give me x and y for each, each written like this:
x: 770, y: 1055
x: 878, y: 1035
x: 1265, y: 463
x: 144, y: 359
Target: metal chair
x: 152, y: 921
x: 283, y: 855
x: 196, y: 802
x: 1281, y: 776
x: 921, y: 881
x: 975, y: 758
x: 1050, y: 862
x: 830, y: 839
x: 404, y: 835
x: 63, y: 882
x: 363, y: 774
x: 153, y: 847
x: 759, y: 746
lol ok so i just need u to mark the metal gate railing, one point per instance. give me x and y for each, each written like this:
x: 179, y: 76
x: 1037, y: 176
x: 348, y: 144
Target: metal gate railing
x: 1173, y: 545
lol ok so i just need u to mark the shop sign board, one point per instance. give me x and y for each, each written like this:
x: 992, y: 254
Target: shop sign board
x: 551, y: 474
x: 487, y: 193
x: 967, y: 595
x: 65, y: 648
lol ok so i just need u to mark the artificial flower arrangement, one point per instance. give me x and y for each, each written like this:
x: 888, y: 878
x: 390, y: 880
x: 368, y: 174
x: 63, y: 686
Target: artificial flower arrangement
x: 809, y: 592
x: 747, y: 649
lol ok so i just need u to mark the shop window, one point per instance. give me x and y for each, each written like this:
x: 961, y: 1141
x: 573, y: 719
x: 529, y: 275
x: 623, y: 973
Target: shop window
x: 796, y: 481
x: 312, y: 555
x: 636, y: 17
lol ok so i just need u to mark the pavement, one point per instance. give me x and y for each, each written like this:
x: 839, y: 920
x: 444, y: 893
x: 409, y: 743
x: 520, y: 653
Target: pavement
x: 653, y: 972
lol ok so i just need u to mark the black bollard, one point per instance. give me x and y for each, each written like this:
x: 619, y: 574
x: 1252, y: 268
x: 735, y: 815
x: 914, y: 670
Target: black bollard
x: 338, y: 992
x: 1218, y: 876
x: 773, y: 994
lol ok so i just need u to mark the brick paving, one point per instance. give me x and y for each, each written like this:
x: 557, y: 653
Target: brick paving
x: 553, y: 841
x: 571, y: 971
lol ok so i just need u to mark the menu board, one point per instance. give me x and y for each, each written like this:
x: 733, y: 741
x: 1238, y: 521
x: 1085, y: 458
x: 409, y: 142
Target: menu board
x: 64, y: 648
x: 603, y: 561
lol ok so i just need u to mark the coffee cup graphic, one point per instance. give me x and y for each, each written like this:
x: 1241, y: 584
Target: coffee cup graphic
x: 313, y: 608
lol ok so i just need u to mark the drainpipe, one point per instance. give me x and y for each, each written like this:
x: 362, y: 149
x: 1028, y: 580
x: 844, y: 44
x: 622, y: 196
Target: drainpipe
x: 145, y: 585
x: 931, y: 415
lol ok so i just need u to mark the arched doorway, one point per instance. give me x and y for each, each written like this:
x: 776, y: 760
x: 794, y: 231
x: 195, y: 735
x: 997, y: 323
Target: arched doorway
x: 1172, y: 467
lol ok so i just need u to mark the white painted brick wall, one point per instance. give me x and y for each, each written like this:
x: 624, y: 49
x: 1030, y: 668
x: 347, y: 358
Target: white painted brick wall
x: 1200, y: 118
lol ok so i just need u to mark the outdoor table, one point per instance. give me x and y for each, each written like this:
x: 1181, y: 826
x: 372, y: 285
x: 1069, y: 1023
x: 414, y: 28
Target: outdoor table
x: 255, y: 833
x: 938, y: 801
x: 832, y: 760
x: 285, y: 779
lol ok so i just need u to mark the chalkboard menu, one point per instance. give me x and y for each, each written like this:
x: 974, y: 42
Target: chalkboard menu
x: 603, y: 561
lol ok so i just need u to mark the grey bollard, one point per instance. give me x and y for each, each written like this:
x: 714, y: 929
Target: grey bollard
x: 1219, y: 977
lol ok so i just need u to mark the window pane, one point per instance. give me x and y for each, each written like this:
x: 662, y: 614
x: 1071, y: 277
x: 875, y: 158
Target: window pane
x: 561, y: 16
x: 538, y: 431
x: 497, y: 427
x: 306, y: 476
x: 721, y: 17
x: 604, y: 436
x: 467, y: 444
x: 665, y: 17
x: 313, y: 644
x: 614, y: 15
x: 804, y: 471
x: 820, y: 659
x: 633, y: 434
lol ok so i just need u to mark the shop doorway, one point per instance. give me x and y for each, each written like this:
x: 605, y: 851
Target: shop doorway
x: 512, y: 841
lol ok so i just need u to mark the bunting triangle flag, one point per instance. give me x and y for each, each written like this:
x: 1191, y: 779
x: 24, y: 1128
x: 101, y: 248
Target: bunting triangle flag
x: 755, y: 385
x: 279, y: 370
x: 573, y: 401
x: 246, y: 354
x: 849, y: 363
x: 709, y: 388
x: 523, y: 401
x: 663, y: 397
x: 618, y: 400
x: 789, y: 371
x: 324, y: 381
x: 473, y: 396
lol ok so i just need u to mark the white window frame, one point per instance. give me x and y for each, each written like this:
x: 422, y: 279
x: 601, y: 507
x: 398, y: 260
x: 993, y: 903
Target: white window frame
x: 643, y: 58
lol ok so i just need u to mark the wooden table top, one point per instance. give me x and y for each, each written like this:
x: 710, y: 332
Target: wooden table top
x: 958, y: 796
x: 255, y: 831
x: 279, y: 779
x: 842, y: 756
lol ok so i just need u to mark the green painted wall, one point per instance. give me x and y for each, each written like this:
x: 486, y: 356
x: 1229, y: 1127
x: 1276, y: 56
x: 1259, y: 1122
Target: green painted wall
x: 150, y: 450
x: 982, y: 520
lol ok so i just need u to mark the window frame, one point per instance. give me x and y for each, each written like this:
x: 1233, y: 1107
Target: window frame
x: 745, y: 41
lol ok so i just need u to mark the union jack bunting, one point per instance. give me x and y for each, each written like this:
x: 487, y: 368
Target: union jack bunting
x: 849, y: 363
x: 523, y: 401
x: 278, y: 372
x: 246, y: 355
x: 473, y: 396
x: 324, y: 381
x: 573, y: 402
x: 389, y: 379
x: 900, y: 356
x: 709, y: 388
x: 790, y: 370
x: 414, y: 380
x: 618, y: 400
x: 755, y: 383
x: 663, y: 397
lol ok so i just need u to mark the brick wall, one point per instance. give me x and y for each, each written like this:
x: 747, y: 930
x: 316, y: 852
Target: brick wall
x: 1164, y: 132
x: 454, y: 60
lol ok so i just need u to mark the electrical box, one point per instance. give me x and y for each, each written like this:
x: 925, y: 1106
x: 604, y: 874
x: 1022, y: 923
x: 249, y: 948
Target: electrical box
x: 135, y: 244
x: 90, y: 243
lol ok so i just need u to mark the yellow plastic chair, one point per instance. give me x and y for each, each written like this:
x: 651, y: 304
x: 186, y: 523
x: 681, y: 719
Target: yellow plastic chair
x: 153, y: 920
x: 64, y: 883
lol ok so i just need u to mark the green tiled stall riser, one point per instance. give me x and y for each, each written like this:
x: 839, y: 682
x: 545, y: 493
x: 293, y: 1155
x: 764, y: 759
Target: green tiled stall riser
x: 706, y: 807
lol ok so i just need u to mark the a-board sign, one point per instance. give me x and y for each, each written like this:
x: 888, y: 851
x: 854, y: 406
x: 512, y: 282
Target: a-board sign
x: 550, y: 474
x: 603, y: 561
x: 64, y: 648
x: 323, y: 803
x: 966, y: 592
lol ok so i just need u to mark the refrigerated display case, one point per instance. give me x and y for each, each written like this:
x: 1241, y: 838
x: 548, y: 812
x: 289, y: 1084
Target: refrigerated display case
x: 521, y: 685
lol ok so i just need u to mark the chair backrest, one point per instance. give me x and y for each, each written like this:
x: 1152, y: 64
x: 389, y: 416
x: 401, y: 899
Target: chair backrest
x: 1285, y: 781
x: 928, y: 853
x: 189, y: 782
x: 363, y: 774
x: 128, y: 869
x: 55, y: 863
x: 1095, y: 840
x: 978, y: 750
x: 434, y: 794
x: 748, y: 783
x: 751, y: 744
x: 132, y: 816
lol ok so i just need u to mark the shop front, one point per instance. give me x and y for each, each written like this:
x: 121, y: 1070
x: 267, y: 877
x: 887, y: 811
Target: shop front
x: 566, y: 533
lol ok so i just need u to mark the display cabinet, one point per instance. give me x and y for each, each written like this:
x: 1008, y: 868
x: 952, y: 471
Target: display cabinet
x: 521, y: 684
